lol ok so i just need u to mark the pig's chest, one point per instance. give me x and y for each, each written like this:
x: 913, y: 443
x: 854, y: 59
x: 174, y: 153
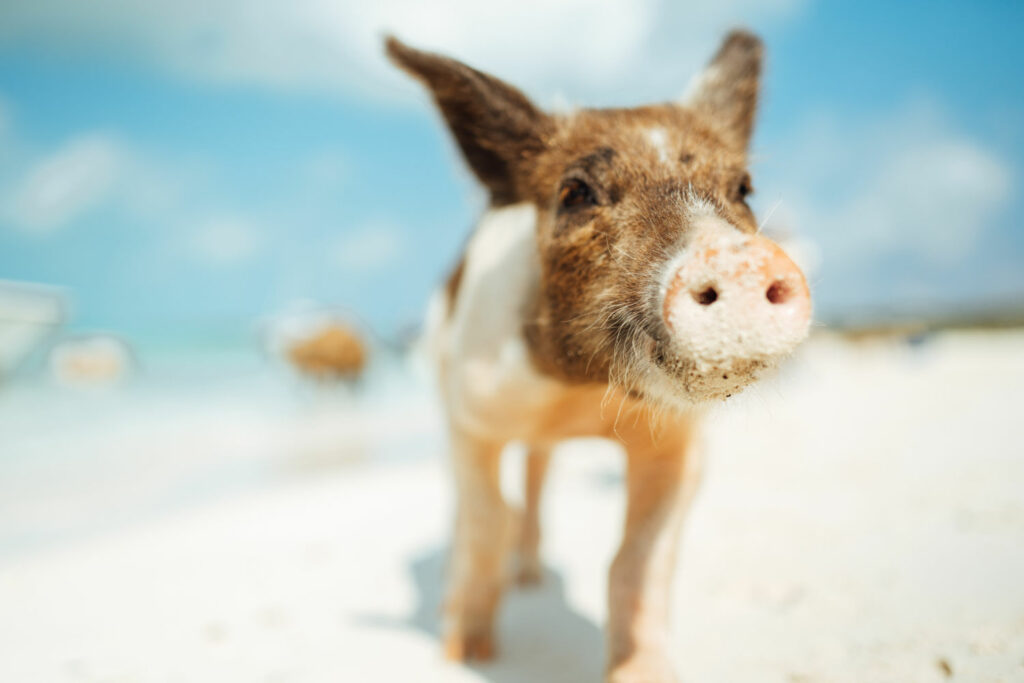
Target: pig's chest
x: 487, y: 377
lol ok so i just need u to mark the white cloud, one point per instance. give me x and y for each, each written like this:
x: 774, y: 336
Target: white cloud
x: 374, y: 246
x: 46, y: 191
x: 539, y: 44
x: 227, y: 240
x: 63, y: 185
x: 936, y: 198
x: 909, y: 183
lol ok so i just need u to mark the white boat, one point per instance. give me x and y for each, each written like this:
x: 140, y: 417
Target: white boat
x: 29, y: 313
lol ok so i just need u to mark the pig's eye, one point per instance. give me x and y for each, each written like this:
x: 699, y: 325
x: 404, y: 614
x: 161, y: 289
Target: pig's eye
x: 744, y: 188
x: 576, y: 193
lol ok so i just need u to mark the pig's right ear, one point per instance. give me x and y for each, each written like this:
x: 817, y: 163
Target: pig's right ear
x: 496, y: 126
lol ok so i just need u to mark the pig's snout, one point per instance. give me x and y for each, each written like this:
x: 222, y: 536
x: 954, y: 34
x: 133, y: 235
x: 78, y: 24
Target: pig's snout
x: 735, y: 304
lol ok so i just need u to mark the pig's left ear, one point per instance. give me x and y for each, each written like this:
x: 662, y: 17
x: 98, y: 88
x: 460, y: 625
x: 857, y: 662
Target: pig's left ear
x: 727, y: 90
x: 496, y: 126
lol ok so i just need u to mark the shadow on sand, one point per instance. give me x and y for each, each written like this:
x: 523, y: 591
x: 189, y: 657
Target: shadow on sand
x: 539, y: 636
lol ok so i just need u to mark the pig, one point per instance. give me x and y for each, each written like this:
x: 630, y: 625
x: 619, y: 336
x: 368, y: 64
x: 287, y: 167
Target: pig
x: 616, y: 286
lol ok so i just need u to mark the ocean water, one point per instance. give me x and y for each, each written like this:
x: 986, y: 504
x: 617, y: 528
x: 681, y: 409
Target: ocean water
x: 188, y: 426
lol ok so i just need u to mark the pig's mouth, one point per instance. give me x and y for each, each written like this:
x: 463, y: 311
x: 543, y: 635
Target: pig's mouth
x: 696, y: 380
x: 663, y: 371
x: 654, y: 365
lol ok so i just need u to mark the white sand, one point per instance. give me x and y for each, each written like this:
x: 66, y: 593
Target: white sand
x: 862, y: 520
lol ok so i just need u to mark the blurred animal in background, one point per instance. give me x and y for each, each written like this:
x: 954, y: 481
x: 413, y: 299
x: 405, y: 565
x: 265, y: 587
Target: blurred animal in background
x: 334, y: 352
x: 616, y: 284
x: 320, y: 343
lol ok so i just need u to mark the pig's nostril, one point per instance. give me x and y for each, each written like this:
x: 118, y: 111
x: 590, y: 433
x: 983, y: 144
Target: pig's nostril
x: 778, y: 293
x: 705, y: 296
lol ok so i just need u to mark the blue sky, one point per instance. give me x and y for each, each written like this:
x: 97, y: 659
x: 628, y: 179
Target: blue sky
x: 186, y: 169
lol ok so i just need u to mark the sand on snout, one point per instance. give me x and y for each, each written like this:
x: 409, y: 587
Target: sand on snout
x: 861, y: 519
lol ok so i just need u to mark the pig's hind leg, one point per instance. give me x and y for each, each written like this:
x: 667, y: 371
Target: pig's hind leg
x: 529, y: 570
x: 482, y: 534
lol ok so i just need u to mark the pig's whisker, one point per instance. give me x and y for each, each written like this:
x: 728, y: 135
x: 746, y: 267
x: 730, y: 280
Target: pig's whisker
x: 768, y: 216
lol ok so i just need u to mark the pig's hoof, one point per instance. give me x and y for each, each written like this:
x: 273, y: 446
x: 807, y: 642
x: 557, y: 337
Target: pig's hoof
x: 462, y: 646
x: 643, y: 668
x: 468, y: 627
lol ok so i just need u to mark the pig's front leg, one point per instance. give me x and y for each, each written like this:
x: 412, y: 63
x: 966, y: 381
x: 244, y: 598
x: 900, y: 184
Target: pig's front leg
x: 661, y: 483
x: 482, y: 527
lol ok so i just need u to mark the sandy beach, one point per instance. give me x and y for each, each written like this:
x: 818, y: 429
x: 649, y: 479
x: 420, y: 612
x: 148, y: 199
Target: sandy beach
x: 862, y: 519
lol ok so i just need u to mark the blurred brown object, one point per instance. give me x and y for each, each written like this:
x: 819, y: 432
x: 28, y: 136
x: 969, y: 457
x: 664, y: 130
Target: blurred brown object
x: 92, y: 360
x: 335, y: 351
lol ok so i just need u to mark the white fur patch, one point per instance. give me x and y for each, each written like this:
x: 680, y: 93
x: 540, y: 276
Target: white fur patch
x: 429, y: 347
x: 696, y: 208
x: 658, y: 139
x: 488, y: 376
x: 699, y: 207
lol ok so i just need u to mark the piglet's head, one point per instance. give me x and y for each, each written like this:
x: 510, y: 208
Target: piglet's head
x: 652, y: 274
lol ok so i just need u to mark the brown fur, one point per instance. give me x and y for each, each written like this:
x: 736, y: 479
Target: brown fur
x: 613, y: 190
x: 451, y: 285
x: 496, y: 126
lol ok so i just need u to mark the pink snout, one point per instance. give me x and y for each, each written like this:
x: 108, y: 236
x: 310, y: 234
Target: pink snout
x: 736, y: 299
